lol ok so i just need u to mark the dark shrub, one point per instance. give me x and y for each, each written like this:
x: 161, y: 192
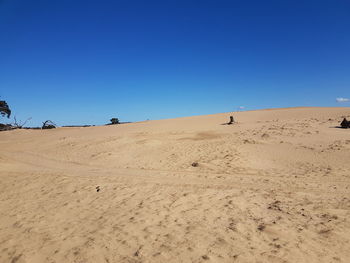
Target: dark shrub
x: 114, y: 121
x: 48, y: 125
x: 5, y: 109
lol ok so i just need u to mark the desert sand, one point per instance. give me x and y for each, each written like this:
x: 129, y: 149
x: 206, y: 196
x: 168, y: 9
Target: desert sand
x: 273, y: 187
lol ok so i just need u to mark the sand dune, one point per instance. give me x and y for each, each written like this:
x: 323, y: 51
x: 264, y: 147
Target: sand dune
x: 274, y: 187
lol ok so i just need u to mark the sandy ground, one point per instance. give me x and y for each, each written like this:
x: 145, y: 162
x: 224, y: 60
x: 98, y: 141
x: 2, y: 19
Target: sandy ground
x: 274, y: 187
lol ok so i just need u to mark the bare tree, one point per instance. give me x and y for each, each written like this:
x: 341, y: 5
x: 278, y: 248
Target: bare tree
x: 20, y: 124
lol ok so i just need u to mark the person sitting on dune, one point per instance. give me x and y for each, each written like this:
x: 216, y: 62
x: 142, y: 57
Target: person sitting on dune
x: 345, y: 124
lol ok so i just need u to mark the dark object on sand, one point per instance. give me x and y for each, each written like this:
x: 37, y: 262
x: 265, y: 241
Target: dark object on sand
x: 261, y: 227
x: 97, y: 188
x: 195, y: 164
x: 345, y: 124
x: 231, y: 121
x: 48, y: 125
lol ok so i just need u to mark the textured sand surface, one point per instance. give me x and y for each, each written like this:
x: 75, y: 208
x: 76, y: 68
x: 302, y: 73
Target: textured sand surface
x: 274, y: 187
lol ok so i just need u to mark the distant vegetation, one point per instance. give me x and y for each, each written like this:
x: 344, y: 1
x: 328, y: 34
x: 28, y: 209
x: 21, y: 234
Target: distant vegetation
x: 5, y: 109
x: 114, y: 121
x: 48, y: 125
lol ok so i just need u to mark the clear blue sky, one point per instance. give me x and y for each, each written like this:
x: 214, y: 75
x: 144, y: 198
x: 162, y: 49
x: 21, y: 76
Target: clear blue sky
x: 83, y: 62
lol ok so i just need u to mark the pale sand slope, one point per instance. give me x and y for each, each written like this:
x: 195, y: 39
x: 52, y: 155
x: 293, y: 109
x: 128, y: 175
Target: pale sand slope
x: 275, y: 187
